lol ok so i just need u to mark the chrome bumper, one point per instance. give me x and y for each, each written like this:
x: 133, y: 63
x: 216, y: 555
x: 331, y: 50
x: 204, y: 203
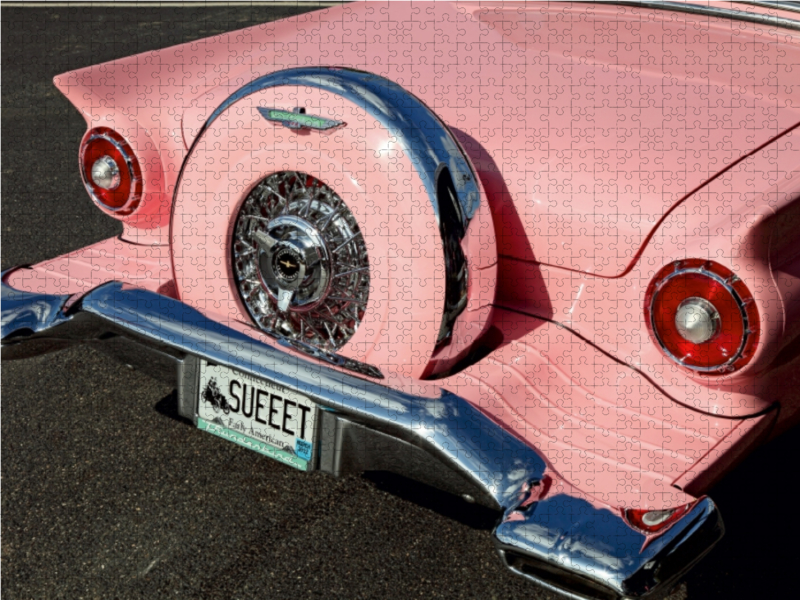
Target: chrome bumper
x: 562, y: 541
x: 568, y: 545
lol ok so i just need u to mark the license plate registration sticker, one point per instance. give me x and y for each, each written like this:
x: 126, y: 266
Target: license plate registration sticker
x: 257, y: 414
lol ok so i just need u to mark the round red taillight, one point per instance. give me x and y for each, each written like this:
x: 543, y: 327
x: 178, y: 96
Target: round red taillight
x: 110, y: 171
x: 702, y: 316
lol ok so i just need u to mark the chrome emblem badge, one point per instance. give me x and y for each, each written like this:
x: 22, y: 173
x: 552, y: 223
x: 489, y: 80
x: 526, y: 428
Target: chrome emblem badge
x: 298, y: 119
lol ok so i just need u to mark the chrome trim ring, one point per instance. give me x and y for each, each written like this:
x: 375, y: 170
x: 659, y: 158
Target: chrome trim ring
x: 729, y: 365
x: 300, y: 262
x: 133, y: 197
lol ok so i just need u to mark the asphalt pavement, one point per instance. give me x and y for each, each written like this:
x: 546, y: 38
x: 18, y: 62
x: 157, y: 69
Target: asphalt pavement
x: 107, y: 493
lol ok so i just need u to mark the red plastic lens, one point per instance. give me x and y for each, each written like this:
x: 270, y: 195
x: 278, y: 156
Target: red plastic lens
x: 719, y: 292
x: 653, y: 521
x: 102, y: 142
x: 720, y: 348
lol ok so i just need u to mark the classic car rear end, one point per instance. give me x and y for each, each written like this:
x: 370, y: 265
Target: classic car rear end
x: 564, y: 288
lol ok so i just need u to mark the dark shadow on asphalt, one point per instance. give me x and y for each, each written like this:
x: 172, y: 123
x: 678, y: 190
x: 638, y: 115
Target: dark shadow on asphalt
x: 168, y: 406
x: 443, y: 503
x: 757, y: 557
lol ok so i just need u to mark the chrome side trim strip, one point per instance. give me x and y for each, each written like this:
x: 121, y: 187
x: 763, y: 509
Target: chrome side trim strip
x: 774, y: 4
x: 297, y: 119
x: 713, y: 11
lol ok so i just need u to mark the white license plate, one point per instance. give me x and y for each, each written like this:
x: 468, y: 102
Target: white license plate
x: 257, y: 414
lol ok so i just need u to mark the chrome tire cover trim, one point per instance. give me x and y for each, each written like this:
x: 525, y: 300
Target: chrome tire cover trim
x: 427, y: 140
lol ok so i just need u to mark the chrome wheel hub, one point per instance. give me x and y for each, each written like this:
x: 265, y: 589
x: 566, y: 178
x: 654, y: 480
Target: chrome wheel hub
x: 299, y: 261
x: 293, y: 263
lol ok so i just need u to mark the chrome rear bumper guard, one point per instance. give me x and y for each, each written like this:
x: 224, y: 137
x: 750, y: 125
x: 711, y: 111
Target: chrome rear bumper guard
x: 570, y: 545
x: 563, y: 542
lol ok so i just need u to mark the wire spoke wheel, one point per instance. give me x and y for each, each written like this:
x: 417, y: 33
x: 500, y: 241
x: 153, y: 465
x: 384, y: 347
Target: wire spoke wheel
x: 300, y: 262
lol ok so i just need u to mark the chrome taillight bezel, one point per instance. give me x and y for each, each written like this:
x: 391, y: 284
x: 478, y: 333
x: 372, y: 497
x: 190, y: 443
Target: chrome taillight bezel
x: 741, y: 295
x: 131, y: 163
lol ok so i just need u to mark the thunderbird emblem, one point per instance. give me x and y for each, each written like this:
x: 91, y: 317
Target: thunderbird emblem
x: 298, y: 119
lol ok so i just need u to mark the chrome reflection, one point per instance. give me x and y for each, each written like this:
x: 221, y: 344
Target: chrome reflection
x: 589, y: 551
x: 25, y: 313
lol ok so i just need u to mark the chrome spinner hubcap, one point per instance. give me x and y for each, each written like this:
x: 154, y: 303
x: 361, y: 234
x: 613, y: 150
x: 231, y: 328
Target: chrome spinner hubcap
x: 293, y: 263
x: 300, y: 262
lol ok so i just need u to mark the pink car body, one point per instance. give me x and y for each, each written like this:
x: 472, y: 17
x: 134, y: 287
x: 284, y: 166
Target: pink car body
x: 609, y: 142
